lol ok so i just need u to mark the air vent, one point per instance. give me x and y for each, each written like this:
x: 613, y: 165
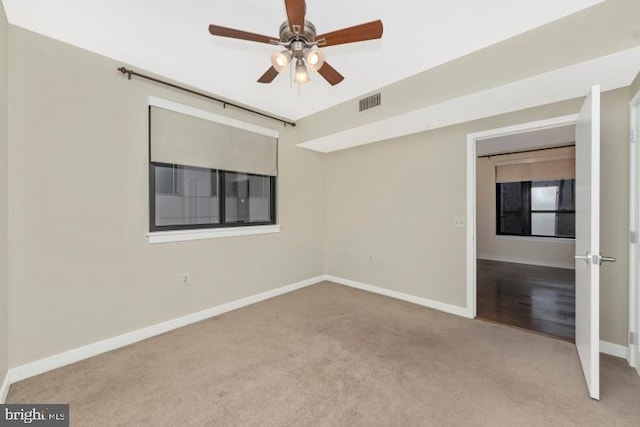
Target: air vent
x: 370, y: 102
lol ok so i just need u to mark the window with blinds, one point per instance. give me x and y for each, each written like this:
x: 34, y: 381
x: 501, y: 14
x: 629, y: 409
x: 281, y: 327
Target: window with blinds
x: 536, y: 198
x: 209, y: 174
x: 536, y: 208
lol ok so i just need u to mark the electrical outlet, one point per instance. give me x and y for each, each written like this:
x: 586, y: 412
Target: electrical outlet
x: 185, y: 279
x: 458, y: 221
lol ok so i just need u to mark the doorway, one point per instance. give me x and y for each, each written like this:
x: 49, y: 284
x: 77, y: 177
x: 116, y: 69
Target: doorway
x: 472, y: 155
x: 525, y: 230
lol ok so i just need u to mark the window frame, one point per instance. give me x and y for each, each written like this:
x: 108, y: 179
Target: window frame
x: 221, y: 194
x: 526, y: 187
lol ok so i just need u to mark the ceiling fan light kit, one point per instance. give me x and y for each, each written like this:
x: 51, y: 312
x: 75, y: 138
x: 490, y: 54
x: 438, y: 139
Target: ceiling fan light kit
x: 302, y: 75
x: 301, y: 44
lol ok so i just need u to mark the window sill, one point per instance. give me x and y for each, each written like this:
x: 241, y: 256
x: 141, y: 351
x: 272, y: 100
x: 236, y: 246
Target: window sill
x: 536, y: 239
x: 210, y: 233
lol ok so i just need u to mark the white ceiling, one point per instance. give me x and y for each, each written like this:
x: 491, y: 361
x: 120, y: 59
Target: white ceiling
x: 546, y: 138
x: 171, y: 38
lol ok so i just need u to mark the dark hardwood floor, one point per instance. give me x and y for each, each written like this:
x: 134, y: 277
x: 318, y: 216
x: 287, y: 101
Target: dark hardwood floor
x: 537, y: 298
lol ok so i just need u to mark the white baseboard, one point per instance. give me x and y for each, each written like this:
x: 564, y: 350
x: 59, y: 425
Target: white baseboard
x: 62, y: 359
x: 634, y: 357
x: 4, y: 388
x: 616, y: 350
x: 447, y: 308
x: 605, y: 347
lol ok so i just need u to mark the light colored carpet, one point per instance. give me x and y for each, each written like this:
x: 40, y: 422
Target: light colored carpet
x: 334, y: 356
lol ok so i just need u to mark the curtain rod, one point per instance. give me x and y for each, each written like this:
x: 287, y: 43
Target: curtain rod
x: 526, y: 151
x: 130, y: 73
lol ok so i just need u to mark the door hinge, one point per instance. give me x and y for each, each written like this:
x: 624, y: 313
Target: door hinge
x: 633, y: 237
x: 632, y: 338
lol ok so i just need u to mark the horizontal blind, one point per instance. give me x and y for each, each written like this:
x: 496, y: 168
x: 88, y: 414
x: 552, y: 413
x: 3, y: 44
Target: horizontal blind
x: 543, y: 170
x: 182, y: 139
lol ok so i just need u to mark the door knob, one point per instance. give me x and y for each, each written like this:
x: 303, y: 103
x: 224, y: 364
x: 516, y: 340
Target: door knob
x: 586, y: 257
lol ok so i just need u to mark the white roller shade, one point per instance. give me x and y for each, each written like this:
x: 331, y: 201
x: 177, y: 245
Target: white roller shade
x: 546, y: 170
x: 183, y: 139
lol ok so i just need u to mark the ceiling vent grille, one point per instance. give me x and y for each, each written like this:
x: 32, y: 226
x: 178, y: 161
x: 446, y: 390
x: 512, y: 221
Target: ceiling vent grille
x: 370, y: 102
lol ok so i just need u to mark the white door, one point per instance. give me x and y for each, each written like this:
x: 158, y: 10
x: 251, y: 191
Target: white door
x: 588, y: 257
x: 634, y: 227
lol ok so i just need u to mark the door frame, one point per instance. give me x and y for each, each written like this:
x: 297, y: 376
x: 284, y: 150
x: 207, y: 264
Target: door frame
x: 472, y: 139
x: 633, y: 354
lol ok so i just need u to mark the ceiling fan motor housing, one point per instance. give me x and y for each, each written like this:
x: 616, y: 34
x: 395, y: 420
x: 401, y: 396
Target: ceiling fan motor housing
x: 306, y: 34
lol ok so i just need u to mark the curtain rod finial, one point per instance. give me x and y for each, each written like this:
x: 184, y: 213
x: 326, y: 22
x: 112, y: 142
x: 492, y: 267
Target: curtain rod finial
x: 125, y: 71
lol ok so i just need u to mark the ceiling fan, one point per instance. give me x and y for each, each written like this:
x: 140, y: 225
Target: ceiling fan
x: 301, y: 44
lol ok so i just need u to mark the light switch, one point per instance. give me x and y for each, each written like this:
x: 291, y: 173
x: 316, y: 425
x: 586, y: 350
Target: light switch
x: 458, y: 221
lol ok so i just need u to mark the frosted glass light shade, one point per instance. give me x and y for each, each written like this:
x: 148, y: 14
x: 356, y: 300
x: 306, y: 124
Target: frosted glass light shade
x: 315, y: 59
x: 302, y: 76
x: 281, y: 60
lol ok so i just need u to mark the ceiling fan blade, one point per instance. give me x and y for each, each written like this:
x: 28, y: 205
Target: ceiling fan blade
x: 296, y: 10
x: 268, y: 77
x: 330, y: 74
x: 217, y: 30
x: 358, y: 33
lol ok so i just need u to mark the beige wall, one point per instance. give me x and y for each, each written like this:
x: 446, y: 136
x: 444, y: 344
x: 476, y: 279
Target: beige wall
x: 81, y: 269
x: 4, y: 230
x: 395, y: 201
x: 614, y: 216
x: 526, y: 250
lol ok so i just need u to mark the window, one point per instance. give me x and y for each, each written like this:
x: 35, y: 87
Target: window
x: 208, y: 171
x: 536, y: 208
x: 187, y: 197
x: 247, y: 198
